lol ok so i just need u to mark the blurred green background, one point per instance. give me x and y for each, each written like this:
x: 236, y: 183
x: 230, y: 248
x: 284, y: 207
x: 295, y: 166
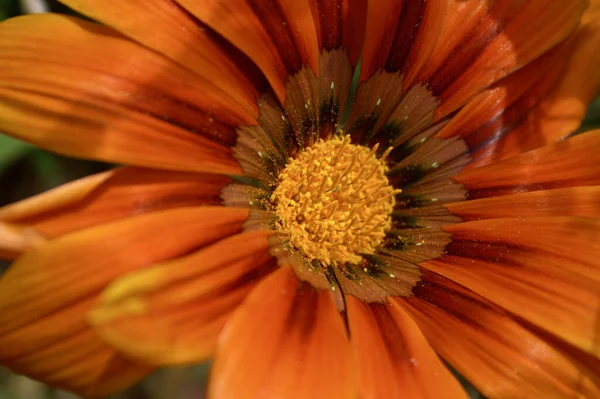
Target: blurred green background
x: 26, y: 170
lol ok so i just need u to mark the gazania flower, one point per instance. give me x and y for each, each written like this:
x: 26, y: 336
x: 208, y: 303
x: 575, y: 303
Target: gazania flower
x: 320, y: 238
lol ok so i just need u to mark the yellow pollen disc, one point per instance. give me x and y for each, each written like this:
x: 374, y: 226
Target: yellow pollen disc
x: 334, y: 201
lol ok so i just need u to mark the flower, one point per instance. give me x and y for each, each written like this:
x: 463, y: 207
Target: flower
x: 319, y: 241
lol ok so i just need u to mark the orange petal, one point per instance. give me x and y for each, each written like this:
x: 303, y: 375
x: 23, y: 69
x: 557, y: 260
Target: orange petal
x: 80, y: 362
x: 340, y: 24
x: 491, y: 112
x: 401, y: 36
x: 503, y: 38
x: 462, y: 18
x: 561, y: 110
x: 182, y: 38
x: 592, y: 13
x: 237, y: 22
x: 110, y: 68
x: 554, y: 236
x: 539, y: 104
x: 572, y: 201
x: 544, y: 269
x: 392, y: 357
x: 113, y: 195
x: 430, y: 27
x: 353, y: 24
x: 173, y: 312
x: 383, y: 18
x: 114, y: 101
x: 46, y: 293
x: 286, y: 341
x: 83, y: 257
x: 570, y: 163
x: 296, y: 20
x: 15, y: 239
x: 495, y: 353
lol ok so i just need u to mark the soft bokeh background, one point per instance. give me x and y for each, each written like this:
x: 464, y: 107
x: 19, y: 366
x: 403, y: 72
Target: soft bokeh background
x: 26, y: 170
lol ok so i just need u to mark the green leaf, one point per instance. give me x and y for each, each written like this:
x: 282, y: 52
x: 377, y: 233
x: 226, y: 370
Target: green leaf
x: 8, y: 8
x: 11, y: 150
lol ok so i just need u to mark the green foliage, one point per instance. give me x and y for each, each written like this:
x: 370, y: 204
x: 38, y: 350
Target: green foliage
x: 11, y: 150
x: 9, y: 8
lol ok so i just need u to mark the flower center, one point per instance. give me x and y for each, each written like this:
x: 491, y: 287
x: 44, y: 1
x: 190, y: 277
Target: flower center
x: 334, y: 201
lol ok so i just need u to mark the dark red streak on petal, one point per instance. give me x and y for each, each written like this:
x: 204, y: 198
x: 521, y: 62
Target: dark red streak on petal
x: 271, y: 15
x: 472, y: 46
x: 408, y: 27
x: 329, y: 23
x: 303, y: 313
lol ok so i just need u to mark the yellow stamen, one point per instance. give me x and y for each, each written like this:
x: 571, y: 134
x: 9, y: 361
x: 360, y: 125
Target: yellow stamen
x: 329, y: 211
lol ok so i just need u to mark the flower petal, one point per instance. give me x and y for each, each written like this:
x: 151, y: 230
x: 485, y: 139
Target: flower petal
x: 499, y: 356
x: 282, y: 36
x: 543, y: 269
x: 293, y: 20
x: 46, y: 293
x: 572, y: 201
x: 383, y: 19
x: 182, y: 39
x: 15, y: 239
x: 83, y: 257
x: 430, y: 27
x: 56, y: 198
x: 294, y: 339
x: 497, y: 40
x: 392, y: 357
x: 341, y: 24
x: 236, y: 21
x: 110, y: 196
x: 570, y: 163
x: 462, y: 18
x: 113, y: 101
x: 543, y: 102
x: 173, y: 312
x: 81, y: 363
x: 401, y: 36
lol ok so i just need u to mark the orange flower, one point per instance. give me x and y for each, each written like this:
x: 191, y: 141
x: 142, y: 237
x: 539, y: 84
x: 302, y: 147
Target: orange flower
x: 319, y: 241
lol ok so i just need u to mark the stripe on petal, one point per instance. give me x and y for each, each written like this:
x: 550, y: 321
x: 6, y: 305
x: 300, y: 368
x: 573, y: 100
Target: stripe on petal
x: 81, y: 363
x: 113, y: 100
x: 509, y: 35
x: 572, y: 201
x: 237, y: 23
x: 462, y: 18
x: 543, y: 269
x: 495, y: 353
x: 46, y: 293
x: 539, y: 104
x: 401, y: 36
x: 383, y: 18
x: 392, y: 358
x: 182, y: 38
x: 173, y: 312
x: 570, y: 163
x: 113, y: 195
x: 289, y: 341
x: 340, y: 24
x: 429, y: 30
